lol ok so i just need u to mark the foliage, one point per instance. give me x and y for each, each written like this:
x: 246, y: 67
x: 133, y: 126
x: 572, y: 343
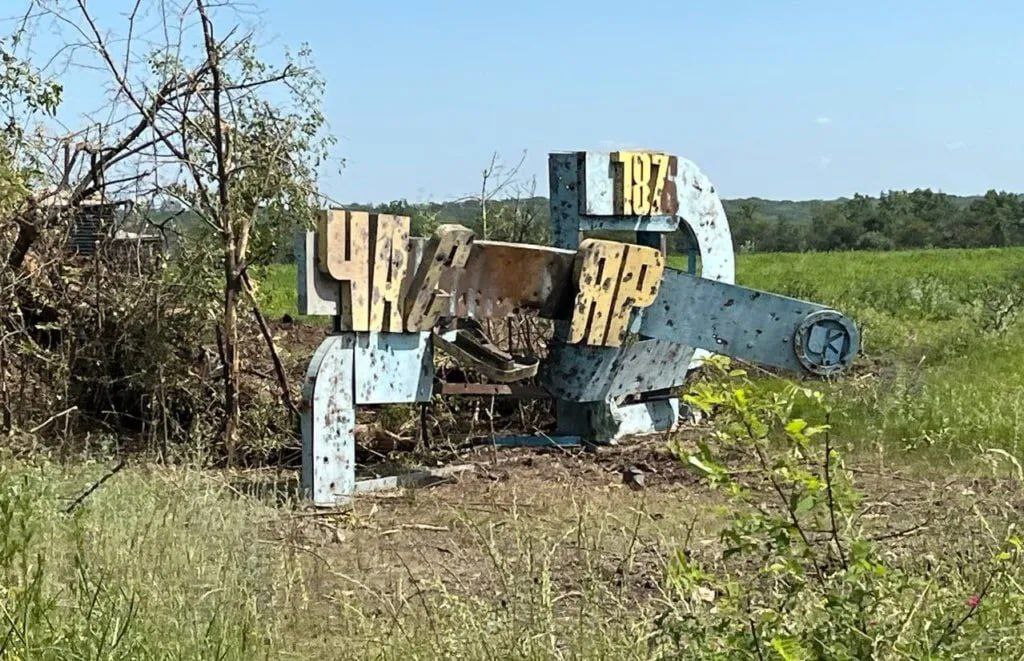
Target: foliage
x: 521, y: 217
x: 24, y: 93
x: 127, y: 349
x: 128, y: 341
x: 801, y: 574
x: 276, y: 143
x: 24, y: 88
x: 896, y: 219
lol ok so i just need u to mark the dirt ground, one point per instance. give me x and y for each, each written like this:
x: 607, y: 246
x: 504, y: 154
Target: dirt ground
x: 617, y: 515
x: 607, y: 519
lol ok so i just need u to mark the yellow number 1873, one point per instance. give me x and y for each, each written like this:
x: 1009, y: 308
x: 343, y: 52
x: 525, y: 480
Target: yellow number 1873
x: 639, y: 180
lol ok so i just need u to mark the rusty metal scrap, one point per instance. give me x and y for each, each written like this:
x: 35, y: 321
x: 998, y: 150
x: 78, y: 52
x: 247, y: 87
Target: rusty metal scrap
x: 429, y: 294
x: 503, y: 279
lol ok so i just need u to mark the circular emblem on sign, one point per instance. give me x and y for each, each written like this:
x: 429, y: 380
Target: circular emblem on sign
x: 826, y: 342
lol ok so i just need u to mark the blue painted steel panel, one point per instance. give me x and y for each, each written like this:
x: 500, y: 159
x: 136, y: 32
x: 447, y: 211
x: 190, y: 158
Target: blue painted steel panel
x: 589, y: 373
x: 564, y: 196
x: 595, y: 375
x: 393, y: 368
x: 318, y: 294
x: 328, y: 423
x: 728, y: 319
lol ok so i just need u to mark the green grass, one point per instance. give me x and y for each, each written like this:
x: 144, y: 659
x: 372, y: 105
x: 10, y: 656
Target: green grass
x: 277, y: 291
x: 156, y: 564
x: 943, y: 336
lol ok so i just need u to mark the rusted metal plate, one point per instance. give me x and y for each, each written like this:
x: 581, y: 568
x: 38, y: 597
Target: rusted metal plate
x: 519, y: 391
x: 393, y: 368
x: 417, y: 245
x: 451, y: 275
x: 612, y: 280
x: 581, y: 373
x: 328, y: 422
x: 502, y: 279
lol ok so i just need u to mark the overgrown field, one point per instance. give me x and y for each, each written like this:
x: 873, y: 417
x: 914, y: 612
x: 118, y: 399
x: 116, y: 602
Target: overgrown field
x: 943, y: 335
x: 897, y: 535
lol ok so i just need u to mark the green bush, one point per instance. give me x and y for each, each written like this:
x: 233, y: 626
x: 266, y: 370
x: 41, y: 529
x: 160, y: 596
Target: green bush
x: 801, y: 573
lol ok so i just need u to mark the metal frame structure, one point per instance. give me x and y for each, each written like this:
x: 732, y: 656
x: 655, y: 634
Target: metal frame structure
x: 627, y: 329
x: 590, y: 400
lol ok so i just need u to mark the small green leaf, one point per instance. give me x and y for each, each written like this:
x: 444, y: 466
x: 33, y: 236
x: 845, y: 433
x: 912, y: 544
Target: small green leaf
x: 796, y: 426
x: 789, y: 648
x: 806, y: 504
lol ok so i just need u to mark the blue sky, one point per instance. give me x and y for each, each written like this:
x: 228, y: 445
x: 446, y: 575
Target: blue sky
x: 771, y: 99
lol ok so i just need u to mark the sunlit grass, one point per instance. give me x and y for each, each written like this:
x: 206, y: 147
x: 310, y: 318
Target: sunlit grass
x: 943, y: 335
x: 156, y: 564
x: 179, y: 563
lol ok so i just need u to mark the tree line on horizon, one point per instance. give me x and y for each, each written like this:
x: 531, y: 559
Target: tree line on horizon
x: 894, y: 220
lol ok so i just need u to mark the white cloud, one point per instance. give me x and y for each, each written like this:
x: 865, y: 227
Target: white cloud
x: 822, y: 121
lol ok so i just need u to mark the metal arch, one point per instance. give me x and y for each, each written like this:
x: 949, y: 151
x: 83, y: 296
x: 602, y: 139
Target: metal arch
x: 702, y: 211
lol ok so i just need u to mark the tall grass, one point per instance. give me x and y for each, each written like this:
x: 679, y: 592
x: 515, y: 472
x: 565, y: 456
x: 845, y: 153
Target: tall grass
x: 180, y: 564
x: 943, y: 335
x: 161, y: 564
